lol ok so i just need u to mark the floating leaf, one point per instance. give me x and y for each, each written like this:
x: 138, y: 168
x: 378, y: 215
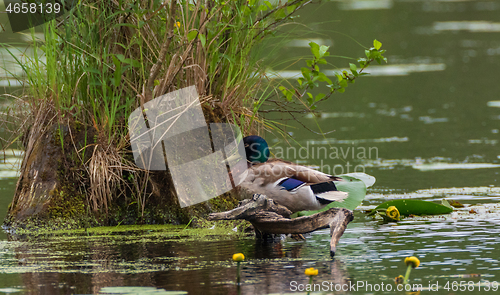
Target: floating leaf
x: 415, y: 207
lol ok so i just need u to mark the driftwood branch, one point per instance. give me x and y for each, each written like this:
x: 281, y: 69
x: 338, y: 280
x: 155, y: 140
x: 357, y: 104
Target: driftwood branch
x: 269, y: 217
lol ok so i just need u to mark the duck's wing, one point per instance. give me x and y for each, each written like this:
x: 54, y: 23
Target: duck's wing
x: 324, y: 192
x: 296, y: 187
x: 267, y: 173
x: 302, y: 173
x: 320, y: 184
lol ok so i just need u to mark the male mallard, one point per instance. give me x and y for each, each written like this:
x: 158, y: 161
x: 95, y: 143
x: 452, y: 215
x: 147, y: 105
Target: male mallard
x: 293, y: 186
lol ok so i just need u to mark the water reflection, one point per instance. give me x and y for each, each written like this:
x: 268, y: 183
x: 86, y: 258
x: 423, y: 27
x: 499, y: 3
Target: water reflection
x: 10, y: 161
x: 446, y: 166
x: 387, y: 70
x: 470, y: 26
x: 357, y: 141
x: 365, y: 4
x: 494, y: 103
x: 431, y: 120
x: 86, y: 264
x: 305, y: 42
x: 369, y: 251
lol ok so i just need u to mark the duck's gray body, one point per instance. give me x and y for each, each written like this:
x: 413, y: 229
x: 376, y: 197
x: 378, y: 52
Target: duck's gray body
x: 293, y: 186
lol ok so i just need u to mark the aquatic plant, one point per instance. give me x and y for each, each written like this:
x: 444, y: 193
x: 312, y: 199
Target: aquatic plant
x: 411, y: 262
x: 311, y: 272
x: 392, y: 212
x: 238, y: 258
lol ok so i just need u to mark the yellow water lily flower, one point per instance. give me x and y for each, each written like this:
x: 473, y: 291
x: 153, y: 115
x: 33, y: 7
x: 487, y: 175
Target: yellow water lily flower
x: 238, y: 257
x: 413, y: 261
x: 311, y: 271
x: 392, y: 212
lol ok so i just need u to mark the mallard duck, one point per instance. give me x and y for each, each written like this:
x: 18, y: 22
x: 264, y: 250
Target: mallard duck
x: 294, y: 186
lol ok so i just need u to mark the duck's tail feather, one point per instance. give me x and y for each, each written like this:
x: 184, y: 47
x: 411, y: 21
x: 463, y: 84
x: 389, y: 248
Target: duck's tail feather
x: 326, y: 192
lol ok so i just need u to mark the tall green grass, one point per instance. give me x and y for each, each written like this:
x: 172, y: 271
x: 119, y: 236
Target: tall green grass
x: 107, y: 58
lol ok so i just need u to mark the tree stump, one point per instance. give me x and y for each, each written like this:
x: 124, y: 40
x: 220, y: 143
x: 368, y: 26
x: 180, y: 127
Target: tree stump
x: 269, y: 217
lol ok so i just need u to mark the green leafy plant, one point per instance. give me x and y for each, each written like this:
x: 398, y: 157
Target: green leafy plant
x: 312, y: 76
x: 407, y: 207
x: 238, y: 258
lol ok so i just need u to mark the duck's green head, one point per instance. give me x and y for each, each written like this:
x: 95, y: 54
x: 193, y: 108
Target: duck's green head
x: 256, y: 149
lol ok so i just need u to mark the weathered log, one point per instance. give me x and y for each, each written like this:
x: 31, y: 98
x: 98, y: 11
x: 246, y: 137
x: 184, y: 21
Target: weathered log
x: 269, y: 217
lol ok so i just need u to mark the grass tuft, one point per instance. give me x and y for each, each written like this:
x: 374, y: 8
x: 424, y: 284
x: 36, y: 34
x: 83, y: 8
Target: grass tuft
x: 107, y: 58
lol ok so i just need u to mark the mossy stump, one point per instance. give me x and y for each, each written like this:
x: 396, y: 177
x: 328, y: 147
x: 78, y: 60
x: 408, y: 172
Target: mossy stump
x: 53, y: 188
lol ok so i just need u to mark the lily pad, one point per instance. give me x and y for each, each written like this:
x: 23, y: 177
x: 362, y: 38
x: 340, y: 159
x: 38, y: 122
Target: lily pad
x: 408, y: 207
x: 356, y: 190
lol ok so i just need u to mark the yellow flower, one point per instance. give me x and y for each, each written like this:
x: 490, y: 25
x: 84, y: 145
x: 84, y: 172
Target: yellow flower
x: 178, y: 24
x: 311, y: 271
x: 392, y: 212
x: 413, y: 261
x: 238, y: 257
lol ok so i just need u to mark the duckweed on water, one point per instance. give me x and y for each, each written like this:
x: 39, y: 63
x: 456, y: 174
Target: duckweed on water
x: 83, y: 250
x: 138, y: 290
x: 205, y: 231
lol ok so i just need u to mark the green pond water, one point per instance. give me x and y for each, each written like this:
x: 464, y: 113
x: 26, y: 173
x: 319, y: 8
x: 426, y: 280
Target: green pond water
x: 430, y: 118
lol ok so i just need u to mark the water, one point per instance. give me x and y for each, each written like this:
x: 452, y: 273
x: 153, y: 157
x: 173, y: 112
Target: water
x: 432, y: 117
